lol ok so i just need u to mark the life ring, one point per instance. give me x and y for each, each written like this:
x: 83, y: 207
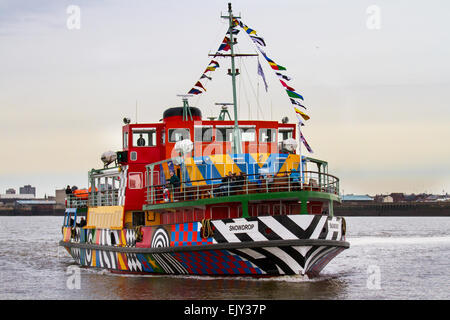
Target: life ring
x: 166, y: 195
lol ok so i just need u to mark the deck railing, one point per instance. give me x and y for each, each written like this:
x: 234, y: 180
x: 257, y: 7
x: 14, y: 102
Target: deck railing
x: 96, y: 199
x: 241, y: 185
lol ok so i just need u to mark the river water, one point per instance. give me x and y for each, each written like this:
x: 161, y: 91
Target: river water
x: 389, y: 258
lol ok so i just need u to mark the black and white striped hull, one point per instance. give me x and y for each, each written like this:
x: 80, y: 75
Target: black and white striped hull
x: 269, y: 245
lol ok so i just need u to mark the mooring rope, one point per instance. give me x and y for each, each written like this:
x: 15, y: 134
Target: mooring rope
x: 206, y: 230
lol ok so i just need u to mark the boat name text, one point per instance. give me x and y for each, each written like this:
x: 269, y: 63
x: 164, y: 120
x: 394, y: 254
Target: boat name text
x: 239, y: 227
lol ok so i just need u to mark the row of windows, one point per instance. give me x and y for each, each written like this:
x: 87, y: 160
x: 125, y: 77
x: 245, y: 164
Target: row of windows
x: 147, y: 137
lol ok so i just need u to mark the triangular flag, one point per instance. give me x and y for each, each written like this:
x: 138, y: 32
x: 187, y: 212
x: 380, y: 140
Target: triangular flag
x: 293, y: 101
x: 261, y: 73
x: 293, y: 94
x: 305, y: 143
x: 303, y: 115
x: 286, y: 86
x: 199, y: 84
x: 258, y: 40
x: 283, y: 76
x: 205, y: 76
x: 194, y: 91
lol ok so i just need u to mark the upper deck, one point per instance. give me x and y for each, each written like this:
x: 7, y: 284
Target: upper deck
x: 152, y: 142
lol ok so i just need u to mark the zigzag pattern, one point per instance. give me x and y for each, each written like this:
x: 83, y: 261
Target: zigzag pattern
x: 283, y: 260
x: 217, y: 166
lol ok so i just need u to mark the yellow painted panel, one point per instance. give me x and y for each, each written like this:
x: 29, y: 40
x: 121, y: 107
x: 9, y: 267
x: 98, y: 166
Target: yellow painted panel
x: 67, y: 233
x: 121, y: 262
x: 224, y: 164
x: 152, y: 218
x: 193, y: 172
x: 94, y: 256
x: 260, y: 158
x: 108, y: 217
x: 289, y: 163
x: 128, y: 218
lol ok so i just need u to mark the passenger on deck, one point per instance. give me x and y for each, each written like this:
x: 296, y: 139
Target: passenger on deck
x: 294, y: 178
x: 261, y: 183
x: 141, y: 141
x: 222, y: 189
x: 82, y: 223
x: 234, y: 184
x: 240, y: 181
x: 175, y: 182
x: 68, y: 190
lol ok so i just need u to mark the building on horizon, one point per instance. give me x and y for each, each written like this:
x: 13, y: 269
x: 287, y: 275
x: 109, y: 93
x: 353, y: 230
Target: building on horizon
x: 353, y: 198
x: 27, y: 189
x: 11, y: 191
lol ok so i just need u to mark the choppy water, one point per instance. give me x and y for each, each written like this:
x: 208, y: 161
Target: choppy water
x: 389, y: 258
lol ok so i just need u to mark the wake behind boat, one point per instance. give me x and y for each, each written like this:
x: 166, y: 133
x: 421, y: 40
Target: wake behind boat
x: 209, y: 197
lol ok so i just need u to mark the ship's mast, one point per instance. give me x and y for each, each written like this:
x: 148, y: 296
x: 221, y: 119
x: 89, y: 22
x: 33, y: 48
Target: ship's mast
x: 237, y: 141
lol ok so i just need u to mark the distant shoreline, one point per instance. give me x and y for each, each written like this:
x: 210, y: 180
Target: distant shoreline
x: 395, y: 209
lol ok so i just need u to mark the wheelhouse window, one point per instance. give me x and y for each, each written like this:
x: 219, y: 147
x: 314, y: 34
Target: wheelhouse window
x: 144, y: 137
x: 203, y: 134
x: 285, y: 133
x: 179, y: 134
x: 248, y: 134
x: 267, y: 135
x: 125, y: 140
x: 224, y: 134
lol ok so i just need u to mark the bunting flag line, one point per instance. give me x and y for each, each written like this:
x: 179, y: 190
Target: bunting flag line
x: 272, y: 64
x: 283, y: 76
x: 286, y: 86
x: 194, y: 91
x: 215, y: 63
x: 199, y: 84
x: 210, y: 68
x: 261, y: 73
x: 303, y: 115
x: 249, y: 30
x: 225, y: 46
x: 258, y: 40
x: 300, y: 122
x: 234, y: 31
x: 293, y: 101
x: 304, y: 142
x: 293, y: 94
x: 205, y: 76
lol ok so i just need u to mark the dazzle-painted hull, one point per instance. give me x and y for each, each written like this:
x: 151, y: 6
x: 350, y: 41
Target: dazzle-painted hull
x: 266, y: 245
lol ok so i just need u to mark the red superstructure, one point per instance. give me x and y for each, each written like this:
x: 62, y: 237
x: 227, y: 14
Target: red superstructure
x: 209, y: 137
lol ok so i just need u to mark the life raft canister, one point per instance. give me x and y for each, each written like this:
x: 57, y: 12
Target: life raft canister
x: 83, y: 194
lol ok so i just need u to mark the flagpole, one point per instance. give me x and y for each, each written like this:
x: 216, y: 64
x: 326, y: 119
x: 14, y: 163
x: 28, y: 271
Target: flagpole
x: 237, y: 145
x: 300, y: 152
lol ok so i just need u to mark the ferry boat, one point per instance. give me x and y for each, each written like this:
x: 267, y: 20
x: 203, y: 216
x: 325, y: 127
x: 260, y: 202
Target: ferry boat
x: 190, y: 196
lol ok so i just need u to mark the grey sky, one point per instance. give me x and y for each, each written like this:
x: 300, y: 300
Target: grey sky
x: 378, y: 99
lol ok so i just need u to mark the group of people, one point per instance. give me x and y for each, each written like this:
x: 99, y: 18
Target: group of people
x: 80, y: 224
x: 231, y: 184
